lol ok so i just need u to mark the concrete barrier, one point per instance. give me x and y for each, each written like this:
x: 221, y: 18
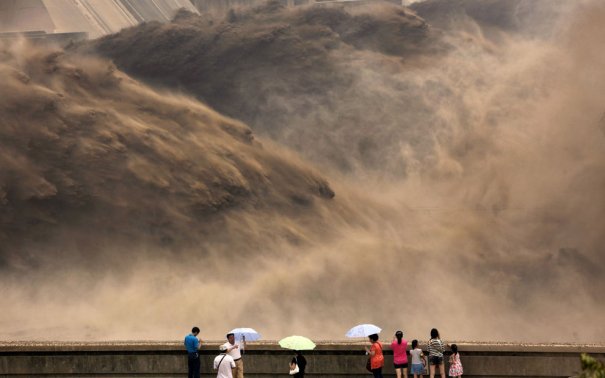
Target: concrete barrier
x: 267, y: 359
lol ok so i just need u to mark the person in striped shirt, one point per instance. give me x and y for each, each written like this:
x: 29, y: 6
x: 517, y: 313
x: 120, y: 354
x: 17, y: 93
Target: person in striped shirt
x: 436, y: 354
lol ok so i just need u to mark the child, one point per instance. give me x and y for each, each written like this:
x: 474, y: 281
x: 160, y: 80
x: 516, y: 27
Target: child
x: 455, y: 364
x: 418, y: 360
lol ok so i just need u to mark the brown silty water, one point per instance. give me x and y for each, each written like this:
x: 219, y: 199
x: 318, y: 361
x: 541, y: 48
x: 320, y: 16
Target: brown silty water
x: 389, y: 165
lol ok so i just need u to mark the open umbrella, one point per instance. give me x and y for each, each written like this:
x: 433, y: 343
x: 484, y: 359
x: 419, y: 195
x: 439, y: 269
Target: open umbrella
x: 363, y: 330
x: 297, y: 343
x: 249, y: 333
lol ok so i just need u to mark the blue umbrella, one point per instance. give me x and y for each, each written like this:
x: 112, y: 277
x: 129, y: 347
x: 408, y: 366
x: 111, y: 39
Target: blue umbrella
x: 363, y: 330
x: 249, y: 333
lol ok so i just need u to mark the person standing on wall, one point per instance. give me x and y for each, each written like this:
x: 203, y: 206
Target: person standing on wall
x: 192, y: 344
x: 233, y: 348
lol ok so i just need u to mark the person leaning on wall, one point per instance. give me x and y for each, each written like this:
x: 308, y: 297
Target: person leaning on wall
x: 192, y: 344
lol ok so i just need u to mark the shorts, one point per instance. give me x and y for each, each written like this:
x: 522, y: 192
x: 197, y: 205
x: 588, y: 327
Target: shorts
x: 434, y: 360
x: 401, y: 366
x: 417, y: 369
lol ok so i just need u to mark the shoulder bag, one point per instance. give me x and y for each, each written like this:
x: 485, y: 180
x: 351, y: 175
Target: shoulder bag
x: 295, y: 369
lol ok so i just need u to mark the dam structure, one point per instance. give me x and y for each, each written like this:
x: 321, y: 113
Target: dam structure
x: 267, y: 359
x: 95, y: 18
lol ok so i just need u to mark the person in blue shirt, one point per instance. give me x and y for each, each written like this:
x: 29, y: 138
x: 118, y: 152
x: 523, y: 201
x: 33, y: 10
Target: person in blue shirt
x: 192, y: 343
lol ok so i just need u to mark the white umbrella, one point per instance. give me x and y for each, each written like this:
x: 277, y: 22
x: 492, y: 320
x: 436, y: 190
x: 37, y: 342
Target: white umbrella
x: 363, y: 330
x: 249, y: 333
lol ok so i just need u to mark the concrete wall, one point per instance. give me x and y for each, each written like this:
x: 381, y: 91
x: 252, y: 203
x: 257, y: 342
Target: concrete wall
x: 328, y: 360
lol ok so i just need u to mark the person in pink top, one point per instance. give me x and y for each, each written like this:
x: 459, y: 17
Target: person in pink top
x: 400, y: 357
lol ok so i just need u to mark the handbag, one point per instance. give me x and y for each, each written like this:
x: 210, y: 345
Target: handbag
x: 295, y: 369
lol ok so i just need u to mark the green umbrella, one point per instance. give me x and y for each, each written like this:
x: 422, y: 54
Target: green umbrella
x: 297, y: 343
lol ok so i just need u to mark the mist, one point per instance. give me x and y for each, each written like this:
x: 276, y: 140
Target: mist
x: 467, y: 164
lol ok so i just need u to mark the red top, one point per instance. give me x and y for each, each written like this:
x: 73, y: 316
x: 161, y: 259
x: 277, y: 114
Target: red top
x: 377, y: 360
x: 399, y: 355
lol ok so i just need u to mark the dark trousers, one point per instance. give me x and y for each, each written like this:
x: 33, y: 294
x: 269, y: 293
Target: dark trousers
x: 377, y: 372
x: 194, y: 365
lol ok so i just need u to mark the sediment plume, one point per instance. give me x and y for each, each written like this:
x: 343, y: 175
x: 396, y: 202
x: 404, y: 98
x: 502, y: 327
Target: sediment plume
x: 98, y: 171
x: 495, y: 18
x: 467, y: 161
x: 300, y: 76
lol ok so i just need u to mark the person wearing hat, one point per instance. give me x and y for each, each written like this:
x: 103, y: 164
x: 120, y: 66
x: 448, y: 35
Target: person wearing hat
x: 192, y: 344
x: 224, y: 365
x: 400, y: 357
x: 234, y: 349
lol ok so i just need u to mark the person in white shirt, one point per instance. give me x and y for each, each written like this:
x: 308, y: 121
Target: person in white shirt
x: 234, y: 349
x: 418, y: 360
x: 224, y: 365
